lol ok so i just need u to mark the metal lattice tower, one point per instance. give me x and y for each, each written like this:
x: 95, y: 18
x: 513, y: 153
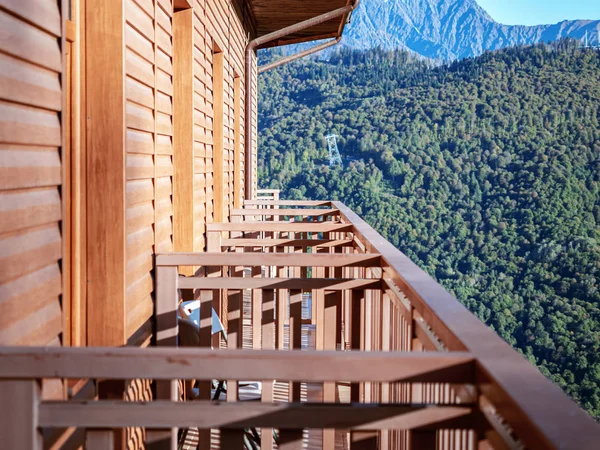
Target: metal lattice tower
x: 591, y: 41
x: 334, y: 153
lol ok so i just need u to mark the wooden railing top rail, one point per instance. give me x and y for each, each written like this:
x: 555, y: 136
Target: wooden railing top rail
x: 241, y: 415
x: 305, y: 284
x: 305, y: 203
x: 268, y: 259
x: 540, y: 413
x: 206, y: 364
x: 303, y: 212
x: 290, y: 227
x: 250, y: 242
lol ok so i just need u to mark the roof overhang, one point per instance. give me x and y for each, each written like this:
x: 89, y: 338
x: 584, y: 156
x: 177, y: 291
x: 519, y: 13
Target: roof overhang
x: 268, y: 16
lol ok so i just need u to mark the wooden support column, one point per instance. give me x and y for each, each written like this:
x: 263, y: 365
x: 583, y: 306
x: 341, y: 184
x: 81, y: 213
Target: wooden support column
x: 331, y: 315
x: 238, y: 184
x: 281, y: 307
x: 19, y: 425
x: 183, y: 134
x: 356, y: 341
x: 268, y: 342
x: 167, y: 330
x: 106, y: 167
x: 218, y: 139
x: 295, y: 336
x: 99, y: 440
x: 234, y: 334
x: 256, y: 311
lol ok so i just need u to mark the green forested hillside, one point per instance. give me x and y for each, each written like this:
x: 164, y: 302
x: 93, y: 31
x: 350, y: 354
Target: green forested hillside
x: 486, y: 173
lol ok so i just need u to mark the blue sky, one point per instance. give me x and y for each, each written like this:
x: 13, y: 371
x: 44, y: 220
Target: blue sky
x: 535, y: 12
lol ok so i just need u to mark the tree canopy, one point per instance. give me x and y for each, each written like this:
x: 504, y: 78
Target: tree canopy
x: 485, y: 172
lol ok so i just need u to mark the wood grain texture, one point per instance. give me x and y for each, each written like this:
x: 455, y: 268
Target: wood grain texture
x: 106, y: 171
x: 31, y: 172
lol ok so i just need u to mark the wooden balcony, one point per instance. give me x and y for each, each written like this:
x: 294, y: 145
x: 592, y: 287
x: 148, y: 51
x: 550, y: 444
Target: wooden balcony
x: 353, y: 346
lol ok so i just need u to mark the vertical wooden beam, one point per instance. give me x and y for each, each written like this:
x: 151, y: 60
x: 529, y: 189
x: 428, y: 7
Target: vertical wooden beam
x: 19, y: 426
x: 356, y: 303
x: 281, y: 307
x: 106, y: 167
x: 386, y: 319
x: 234, y: 335
x: 167, y: 330
x: 99, y: 440
x: 238, y: 186
x: 183, y: 133
x: 268, y: 342
x: 295, y: 331
x: 218, y: 138
x: 256, y: 311
x: 330, y: 335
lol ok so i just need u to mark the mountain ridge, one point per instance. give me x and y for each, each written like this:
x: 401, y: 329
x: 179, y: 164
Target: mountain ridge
x: 447, y: 29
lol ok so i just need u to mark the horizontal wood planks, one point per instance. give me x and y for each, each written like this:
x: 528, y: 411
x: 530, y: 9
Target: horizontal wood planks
x: 240, y: 415
x: 31, y: 139
x: 190, y: 363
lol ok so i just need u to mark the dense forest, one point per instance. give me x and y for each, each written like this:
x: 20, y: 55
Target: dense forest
x: 485, y: 172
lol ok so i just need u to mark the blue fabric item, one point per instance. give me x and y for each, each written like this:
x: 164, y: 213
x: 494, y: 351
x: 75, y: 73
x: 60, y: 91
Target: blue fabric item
x: 193, y: 307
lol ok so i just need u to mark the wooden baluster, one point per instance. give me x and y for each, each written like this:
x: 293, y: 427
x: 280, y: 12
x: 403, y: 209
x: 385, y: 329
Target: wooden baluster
x: 386, y: 320
x: 167, y: 330
x: 98, y: 440
x: 19, y: 425
x: 268, y: 333
x: 281, y: 307
x: 295, y: 332
x: 256, y: 310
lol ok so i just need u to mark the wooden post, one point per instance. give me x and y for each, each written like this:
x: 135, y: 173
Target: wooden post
x: 268, y: 342
x: 295, y: 331
x: 183, y: 135
x: 281, y: 307
x: 330, y: 325
x: 99, y: 440
x: 106, y: 167
x: 218, y: 138
x: 238, y: 185
x: 167, y: 330
x: 19, y: 425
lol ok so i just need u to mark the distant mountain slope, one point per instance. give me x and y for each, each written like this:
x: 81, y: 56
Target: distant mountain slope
x: 485, y: 172
x: 446, y: 29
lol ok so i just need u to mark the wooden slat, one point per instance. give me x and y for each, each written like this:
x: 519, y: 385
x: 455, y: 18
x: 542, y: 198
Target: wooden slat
x: 304, y: 243
x: 240, y: 415
x: 294, y: 227
x: 269, y: 259
x: 99, y: 440
x: 19, y: 424
x: 305, y: 284
x: 307, y: 203
x: 285, y: 212
x: 186, y: 363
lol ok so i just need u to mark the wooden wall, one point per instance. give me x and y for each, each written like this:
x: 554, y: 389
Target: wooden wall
x: 30, y: 172
x: 216, y: 29
x: 159, y: 188
x: 149, y: 147
x: 128, y: 103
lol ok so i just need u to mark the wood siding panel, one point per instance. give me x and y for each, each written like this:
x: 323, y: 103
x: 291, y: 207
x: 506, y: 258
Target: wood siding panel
x: 31, y: 205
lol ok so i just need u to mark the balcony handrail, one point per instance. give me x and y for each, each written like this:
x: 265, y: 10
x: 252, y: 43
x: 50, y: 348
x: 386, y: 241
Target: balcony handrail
x: 161, y: 363
x: 538, y: 411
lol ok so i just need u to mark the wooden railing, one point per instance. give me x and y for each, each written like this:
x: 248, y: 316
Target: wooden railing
x: 388, y: 358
